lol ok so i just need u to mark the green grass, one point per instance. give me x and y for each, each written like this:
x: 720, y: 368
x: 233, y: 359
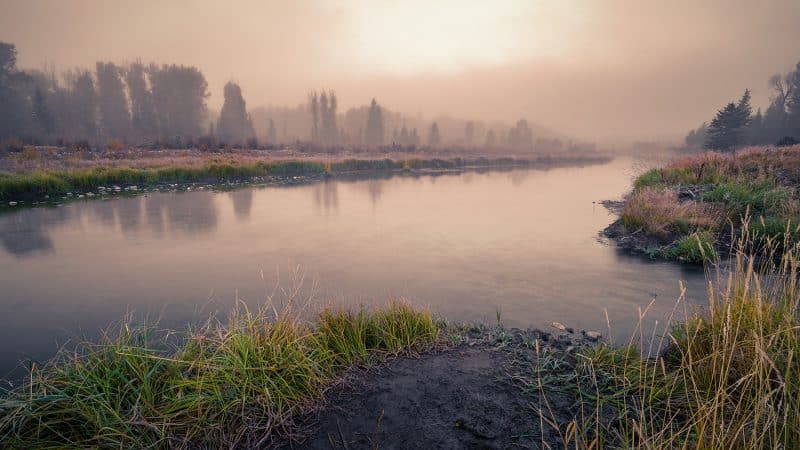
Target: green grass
x: 713, y: 192
x: 696, y: 248
x: 234, y: 384
x: 40, y: 183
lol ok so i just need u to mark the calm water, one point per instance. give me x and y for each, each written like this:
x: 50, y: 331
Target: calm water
x: 524, y: 242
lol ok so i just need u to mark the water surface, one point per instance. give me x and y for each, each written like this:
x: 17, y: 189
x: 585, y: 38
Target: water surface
x: 522, y: 242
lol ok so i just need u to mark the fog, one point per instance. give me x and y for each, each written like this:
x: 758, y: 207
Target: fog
x: 595, y: 70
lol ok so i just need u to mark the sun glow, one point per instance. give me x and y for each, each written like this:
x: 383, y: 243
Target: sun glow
x: 417, y: 36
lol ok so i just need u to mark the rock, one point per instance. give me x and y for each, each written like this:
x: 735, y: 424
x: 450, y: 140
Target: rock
x: 559, y: 326
x: 593, y: 336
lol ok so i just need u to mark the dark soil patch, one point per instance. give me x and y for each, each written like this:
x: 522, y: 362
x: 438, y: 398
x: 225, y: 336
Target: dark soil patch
x: 478, y: 393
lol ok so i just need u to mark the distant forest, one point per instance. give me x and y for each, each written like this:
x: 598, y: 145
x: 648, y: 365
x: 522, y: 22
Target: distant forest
x: 165, y: 106
x: 735, y: 125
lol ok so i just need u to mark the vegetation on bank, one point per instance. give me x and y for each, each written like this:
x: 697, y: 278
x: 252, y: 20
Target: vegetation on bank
x: 729, y: 376
x: 222, y: 385
x: 38, y: 183
x: 726, y: 376
x: 696, y: 202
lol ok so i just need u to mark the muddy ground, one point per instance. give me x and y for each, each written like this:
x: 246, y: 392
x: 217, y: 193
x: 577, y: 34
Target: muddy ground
x: 479, y: 392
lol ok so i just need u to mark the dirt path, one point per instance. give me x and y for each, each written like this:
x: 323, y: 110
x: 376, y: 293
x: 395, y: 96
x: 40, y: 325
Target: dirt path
x: 475, y: 395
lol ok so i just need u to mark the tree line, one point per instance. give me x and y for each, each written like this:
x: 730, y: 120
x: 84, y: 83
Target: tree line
x: 165, y: 106
x: 735, y: 125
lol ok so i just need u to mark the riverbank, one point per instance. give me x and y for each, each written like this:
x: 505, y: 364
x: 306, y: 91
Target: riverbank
x: 394, y: 377
x: 693, y: 209
x: 39, y: 174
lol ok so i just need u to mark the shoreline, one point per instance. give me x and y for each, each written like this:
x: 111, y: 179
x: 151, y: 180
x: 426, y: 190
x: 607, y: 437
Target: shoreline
x: 41, y: 183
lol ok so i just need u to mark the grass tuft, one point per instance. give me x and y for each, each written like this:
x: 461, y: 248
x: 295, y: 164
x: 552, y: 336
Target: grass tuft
x: 235, y: 384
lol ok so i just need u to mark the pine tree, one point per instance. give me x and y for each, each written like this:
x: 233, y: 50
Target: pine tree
x: 374, y: 133
x: 727, y: 130
x: 434, y: 137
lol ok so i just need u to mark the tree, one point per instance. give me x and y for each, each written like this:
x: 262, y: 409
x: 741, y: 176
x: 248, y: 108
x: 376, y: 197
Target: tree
x: 434, y: 137
x: 42, y: 114
x: 235, y: 125
x: 180, y: 94
x: 144, y: 122
x: 793, y: 103
x: 490, y: 139
x: 520, y: 136
x: 726, y: 131
x: 695, y: 138
x: 313, y: 107
x: 469, y: 133
x: 115, y: 120
x: 84, y: 101
x: 404, y: 138
x: 330, y: 132
x: 14, y: 110
x: 272, y: 134
x: 374, y: 133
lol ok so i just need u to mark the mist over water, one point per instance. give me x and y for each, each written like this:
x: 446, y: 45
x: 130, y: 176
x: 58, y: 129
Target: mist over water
x: 523, y: 242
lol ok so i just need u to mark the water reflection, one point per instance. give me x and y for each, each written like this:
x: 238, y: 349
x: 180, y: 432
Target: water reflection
x: 326, y: 197
x: 522, y: 241
x: 242, y: 200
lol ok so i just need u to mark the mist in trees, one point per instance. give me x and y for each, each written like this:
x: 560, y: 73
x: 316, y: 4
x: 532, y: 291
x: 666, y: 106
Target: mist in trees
x: 144, y: 122
x: 735, y: 125
x: 520, y: 136
x: 115, y: 120
x: 434, y: 137
x: 374, y: 133
x: 235, y: 125
x: 157, y: 106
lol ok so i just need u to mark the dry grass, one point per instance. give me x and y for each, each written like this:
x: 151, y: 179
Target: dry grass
x: 725, y: 377
x: 658, y: 211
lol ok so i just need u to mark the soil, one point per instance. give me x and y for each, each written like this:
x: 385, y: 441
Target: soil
x: 477, y: 393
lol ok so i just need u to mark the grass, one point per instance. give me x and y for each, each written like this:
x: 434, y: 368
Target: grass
x: 32, y: 174
x: 726, y: 377
x: 240, y: 383
x: 659, y: 212
x: 696, y: 248
x: 709, y: 194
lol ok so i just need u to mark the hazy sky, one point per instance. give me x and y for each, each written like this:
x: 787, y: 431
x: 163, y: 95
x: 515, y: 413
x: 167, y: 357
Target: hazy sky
x: 595, y: 69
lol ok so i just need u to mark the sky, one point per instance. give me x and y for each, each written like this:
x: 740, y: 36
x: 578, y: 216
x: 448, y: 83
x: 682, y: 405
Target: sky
x: 601, y: 70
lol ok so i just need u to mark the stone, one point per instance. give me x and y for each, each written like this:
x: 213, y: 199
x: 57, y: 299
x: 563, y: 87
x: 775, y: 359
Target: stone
x: 593, y: 336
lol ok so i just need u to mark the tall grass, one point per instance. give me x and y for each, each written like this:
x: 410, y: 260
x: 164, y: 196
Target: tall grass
x: 239, y: 383
x: 727, y: 376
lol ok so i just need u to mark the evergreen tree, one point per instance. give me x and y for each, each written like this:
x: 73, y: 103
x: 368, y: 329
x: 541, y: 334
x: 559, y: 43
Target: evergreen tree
x: 272, y: 134
x: 469, y: 133
x: 520, y: 136
x: 374, y: 133
x: 727, y: 130
x: 313, y: 108
x: 234, y: 122
x: 490, y: 140
x: 413, y: 138
x: 434, y: 137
